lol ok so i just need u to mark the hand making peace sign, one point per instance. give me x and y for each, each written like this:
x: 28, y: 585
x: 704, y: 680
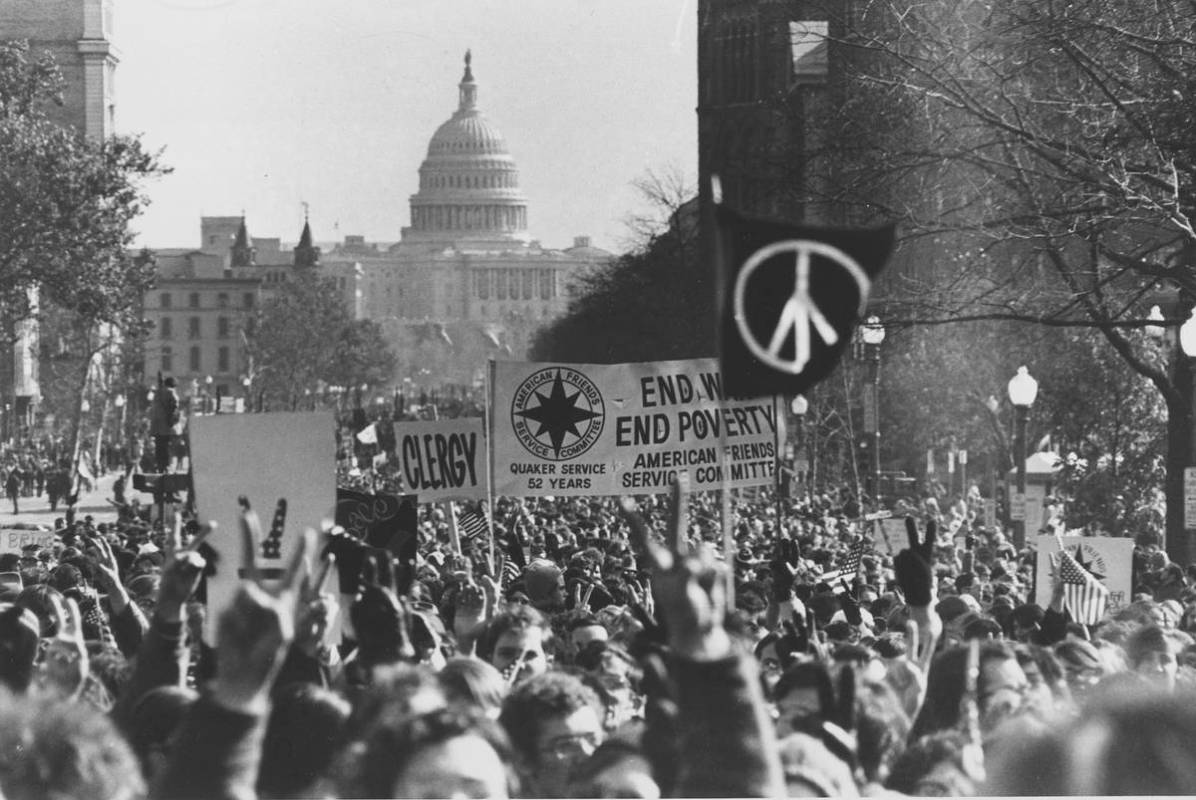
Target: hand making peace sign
x: 253, y: 633
x: 690, y: 588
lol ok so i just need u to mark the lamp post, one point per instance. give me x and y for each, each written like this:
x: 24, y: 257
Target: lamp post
x: 799, y: 406
x: 1023, y: 390
x: 207, y: 397
x: 873, y: 334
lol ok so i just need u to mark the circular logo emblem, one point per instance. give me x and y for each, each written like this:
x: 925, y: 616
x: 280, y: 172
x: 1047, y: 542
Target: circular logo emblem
x: 557, y: 413
x: 801, y: 323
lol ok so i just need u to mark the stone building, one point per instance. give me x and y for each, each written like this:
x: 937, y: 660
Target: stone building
x: 205, y: 301
x: 78, y: 33
x: 466, y: 281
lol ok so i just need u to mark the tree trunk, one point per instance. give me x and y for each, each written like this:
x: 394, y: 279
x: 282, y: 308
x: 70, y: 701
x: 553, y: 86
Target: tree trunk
x: 1179, y: 456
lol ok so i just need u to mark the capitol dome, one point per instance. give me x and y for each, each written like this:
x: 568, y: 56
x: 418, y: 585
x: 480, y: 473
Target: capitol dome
x: 468, y: 183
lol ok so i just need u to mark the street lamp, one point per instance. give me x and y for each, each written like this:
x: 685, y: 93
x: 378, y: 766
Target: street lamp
x: 872, y: 332
x: 1023, y: 390
x: 207, y: 396
x: 799, y: 406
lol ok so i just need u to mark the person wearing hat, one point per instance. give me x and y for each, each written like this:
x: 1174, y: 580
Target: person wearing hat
x: 544, y: 583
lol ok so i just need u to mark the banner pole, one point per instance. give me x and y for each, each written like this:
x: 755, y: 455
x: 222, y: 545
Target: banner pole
x: 450, y: 511
x: 716, y: 252
x: 488, y: 425
x: 777, y: 474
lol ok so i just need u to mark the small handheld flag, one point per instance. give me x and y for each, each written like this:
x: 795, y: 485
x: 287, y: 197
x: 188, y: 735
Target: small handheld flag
x: 1083, y: 595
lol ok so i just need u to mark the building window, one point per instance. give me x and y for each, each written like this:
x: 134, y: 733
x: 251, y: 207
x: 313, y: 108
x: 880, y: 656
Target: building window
x: 247, y: 300
x: 193, y: 300
x: 167, y: 360
x: 222, y: 327
x: 250, y: 326
x: 193, y: 328
x: 193, y: 360
x: 500, y: 288
x: 527, y: 284
x: 222, y: 359
x: 547, y: 284
x: 482, y: 279
x: 164, y: 300
x: 222, y: 300
x: 808, y: 50
x: 167, y: 328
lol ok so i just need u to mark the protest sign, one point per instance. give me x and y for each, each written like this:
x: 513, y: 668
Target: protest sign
x: 284, y: 464
x: 13, y: 540
x: 586, y: 429
x: 442, y: 460
x: 889, y: 535
x: 1108, y: 559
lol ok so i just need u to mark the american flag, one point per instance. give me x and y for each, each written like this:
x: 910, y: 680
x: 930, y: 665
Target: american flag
x: 511, y: 572
x: 1083, y: 595
x: 473, y: 526
x: 848, y: 566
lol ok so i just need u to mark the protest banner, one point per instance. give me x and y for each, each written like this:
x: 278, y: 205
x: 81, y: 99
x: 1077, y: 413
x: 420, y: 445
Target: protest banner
x: 586, y: 429
x: 443, y: 460
x: 1109, y: 560
x: 284, y: 464
x: 889, y: 535
x: 13, y: 540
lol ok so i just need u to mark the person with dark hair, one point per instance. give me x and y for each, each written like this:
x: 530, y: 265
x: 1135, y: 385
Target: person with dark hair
x: 166, y: 423
x: 553, y: 721
x: 1001, y: 689
x: 514, y: 642
x: 302, y: 737
x: 933, y: 766
x: 618, y: 768
x: 472, y: 684
x: 63, y: 750
x: 439, y: 753
x: 1153, y: 654
x: 1134, y: 740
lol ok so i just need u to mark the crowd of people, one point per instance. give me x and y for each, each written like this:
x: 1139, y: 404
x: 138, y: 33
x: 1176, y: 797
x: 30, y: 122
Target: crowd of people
x: 587, y: 647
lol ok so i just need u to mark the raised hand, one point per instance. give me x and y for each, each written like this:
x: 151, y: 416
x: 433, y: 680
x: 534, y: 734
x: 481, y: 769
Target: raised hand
x: 691, y: 595
x: 182, y: 570
x: 380, y: 620
x: 254, y: 632
x: 783, y: 566
x: 914, y: 566
x: 318, y: 607
x: 65, y: 664
x: 851, y: 606
x: 470, y: 606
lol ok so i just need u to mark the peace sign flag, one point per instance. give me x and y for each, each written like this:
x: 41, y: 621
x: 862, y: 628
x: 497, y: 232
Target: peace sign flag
x: 789, y: 296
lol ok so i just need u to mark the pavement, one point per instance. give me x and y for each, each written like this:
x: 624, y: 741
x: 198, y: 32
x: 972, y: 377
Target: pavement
x: 36, y: 510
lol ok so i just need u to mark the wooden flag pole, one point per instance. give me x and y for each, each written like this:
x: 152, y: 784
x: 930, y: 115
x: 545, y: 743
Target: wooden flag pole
x: 729, y: 550
x: 450, y: 511
x: 488, y: 426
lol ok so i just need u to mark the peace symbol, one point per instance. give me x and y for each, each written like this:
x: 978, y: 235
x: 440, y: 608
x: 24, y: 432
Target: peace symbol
x: 800, y: 311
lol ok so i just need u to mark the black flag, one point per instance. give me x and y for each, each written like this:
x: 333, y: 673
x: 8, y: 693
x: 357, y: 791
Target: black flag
x: 374, y: 522
x: 789, y: 298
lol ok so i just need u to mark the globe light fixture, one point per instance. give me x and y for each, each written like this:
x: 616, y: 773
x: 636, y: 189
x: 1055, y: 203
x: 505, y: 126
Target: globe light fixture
x: 800, y: 405
x: 1023, y: 389
x: 872, y: 331
x: 1187, y: 336
x: 1155, y: 332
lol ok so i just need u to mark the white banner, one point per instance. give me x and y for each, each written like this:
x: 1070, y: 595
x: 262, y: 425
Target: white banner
x: 587, y: 429
x: 443, y: 460
x: 13, y: 540
x: 1109, y: 559
x: 284, y: 464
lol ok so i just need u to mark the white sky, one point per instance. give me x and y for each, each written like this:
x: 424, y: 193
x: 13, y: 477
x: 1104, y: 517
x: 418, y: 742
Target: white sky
x: 263, y: 104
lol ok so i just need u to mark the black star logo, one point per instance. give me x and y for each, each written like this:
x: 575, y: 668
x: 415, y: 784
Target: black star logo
x: 1086, y: 565
x: 557, y: 414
